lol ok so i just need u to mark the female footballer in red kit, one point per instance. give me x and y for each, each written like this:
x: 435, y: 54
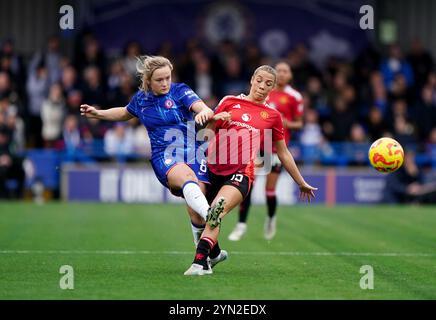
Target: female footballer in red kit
x: 239, y: 124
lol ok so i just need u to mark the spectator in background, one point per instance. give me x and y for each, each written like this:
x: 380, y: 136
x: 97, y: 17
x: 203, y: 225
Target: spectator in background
x: 398, y: 108
x: 69, y: 80
x: 119, y: 141
x: 203, y: 80
x: 316, y: 97
x: 376, y: 124
x: 121, y: 85
x: 311, y: 136
x: 131, y: 52
x: 404, y: 133
x: 338, y: 84
x: 11, y: 168
x: 51, y: 58
x: 7, y: 89
x: 37, y: 89
x: 74, y: 100
x: 14, y: 65
x: 358, y: 134
x: 400, y: 90
x: 116, y: 70
x: 13, y: 123
x: 358, y: 149
x: 52, y: 115
x: 94, y: 91
x: 425, y: 113
x: 364, y: 66
x: 379, y: 92
x: 421, y: 62
x: 235, y: 80
x: 73, y: 142
x: 301, y: 66
x: 394, y: 65
x: 71, y: 134
x: 141, y: 140
x: 407, y: 185
x: 338, y: 125
x: 225, y: 50
x: 252, y: 57
x: 93, y: 130
x: 90, y: 54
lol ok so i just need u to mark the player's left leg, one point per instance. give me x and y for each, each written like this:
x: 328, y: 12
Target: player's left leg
x: 233, y: 197
x: 182, y: 177
x: 198, y: 224
x: 271, y: 200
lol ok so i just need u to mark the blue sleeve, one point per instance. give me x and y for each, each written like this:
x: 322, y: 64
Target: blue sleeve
x: 186, y: 96
x: 132, y: 107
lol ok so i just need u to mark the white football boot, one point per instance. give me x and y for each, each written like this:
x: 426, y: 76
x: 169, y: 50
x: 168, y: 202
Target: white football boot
x: 238, y: 232
x: 198, y: 270
x: 270, y: 228
x: 220, y: 258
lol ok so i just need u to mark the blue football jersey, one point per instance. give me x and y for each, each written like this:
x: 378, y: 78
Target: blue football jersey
x: 162, y: 113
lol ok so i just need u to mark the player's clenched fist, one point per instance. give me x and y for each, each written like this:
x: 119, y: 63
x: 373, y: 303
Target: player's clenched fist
x: 88, y: 111
x: 204, y: 116
x: 225, y: 116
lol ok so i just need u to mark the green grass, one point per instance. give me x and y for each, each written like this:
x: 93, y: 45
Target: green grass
x: 59, y: 234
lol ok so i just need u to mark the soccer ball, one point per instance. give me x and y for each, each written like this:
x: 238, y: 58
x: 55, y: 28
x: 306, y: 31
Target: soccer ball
x: 386, y: 155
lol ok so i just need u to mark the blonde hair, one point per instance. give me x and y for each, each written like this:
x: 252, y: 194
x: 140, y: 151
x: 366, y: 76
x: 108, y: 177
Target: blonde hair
x: 147, y: 65
x: 268, y: 69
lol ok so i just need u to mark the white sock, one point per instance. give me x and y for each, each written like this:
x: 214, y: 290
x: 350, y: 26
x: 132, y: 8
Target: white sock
x: 195, y: 198
x: 197, y: 231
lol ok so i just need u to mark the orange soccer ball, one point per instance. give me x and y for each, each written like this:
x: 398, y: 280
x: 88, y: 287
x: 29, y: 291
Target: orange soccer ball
x: 386, y: 155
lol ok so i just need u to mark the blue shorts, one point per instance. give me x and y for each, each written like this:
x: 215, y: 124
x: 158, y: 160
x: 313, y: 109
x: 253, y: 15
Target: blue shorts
x: 162, y: 166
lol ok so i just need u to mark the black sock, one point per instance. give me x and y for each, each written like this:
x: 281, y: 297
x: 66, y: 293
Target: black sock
x: 203, y: 250
x: 244, y: 207
x: 215, y: 251
x: 271, y: 201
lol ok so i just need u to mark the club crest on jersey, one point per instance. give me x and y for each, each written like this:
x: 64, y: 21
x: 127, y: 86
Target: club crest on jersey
x: 169, y: 103
x: 246, y: 117
x: 264, y: 115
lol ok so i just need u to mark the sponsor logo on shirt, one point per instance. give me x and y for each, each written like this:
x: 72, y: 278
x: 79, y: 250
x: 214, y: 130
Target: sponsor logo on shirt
x: 241, y: 124
x: 246, y: 117
x: 237, y: 106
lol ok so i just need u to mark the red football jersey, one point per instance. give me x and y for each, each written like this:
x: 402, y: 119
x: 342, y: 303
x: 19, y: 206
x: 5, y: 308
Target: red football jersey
x: 237, y: 141
x: 289, y: 103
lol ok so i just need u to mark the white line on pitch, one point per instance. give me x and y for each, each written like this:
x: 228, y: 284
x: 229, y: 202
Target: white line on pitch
x: 260, y: 253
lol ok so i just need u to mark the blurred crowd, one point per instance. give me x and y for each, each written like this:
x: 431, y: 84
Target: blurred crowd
x: 389, y: 92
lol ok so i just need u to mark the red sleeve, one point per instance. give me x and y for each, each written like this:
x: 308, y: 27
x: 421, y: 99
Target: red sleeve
x: 278, y: 130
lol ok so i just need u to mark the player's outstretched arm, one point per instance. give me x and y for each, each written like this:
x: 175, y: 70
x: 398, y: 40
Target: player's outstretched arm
x: 224, y: 116
x: 113, y: 114
x: 286, y: 158
x: 204, y: 113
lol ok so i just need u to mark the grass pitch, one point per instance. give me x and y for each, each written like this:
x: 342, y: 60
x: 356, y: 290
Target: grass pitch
x: 121, y: 251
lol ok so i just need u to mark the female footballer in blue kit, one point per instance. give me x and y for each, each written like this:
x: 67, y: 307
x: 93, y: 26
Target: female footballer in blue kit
x: 164, y: 108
